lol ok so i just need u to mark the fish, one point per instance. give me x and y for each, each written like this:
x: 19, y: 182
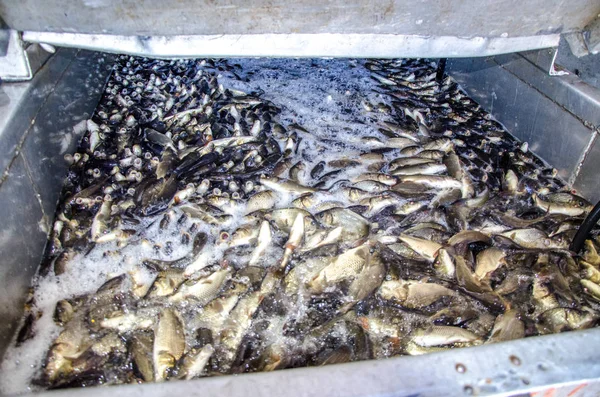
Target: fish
x: 438, y: 335
x: 244, y: 235
x: 127, y: 322
x: 426, y: 249
x: 235, y: 326
x: 194, y: 362
x: 345, y: 266
x: 203, y: 290
x: 322, y: 238
x: 371, y: 186
x: 264, y: 241
x: 285, y: 186
x: 306, y: 269
x: 429, y: 168
x: 294, y: 241
x: 284, y: 219
x: 166, y: 282
x: 354, y: 227
x: 432, y: 181
x: 141, y: 352
x: 444, y: 264
x: 414, y: 295
x: 565, y: 319
x: 376, y: 177
x: 264, y: 200
x: 533, y: 238
x: 365, y: 283
x: 169, y: 343
x: 488, y: 261
x: 559, y: 208
x: 507, y: 326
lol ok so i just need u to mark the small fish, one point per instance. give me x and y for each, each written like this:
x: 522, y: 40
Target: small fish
x: 264, y: 200
x: 444, y: 335
x: 377, y: 177
x: 533, y: 238
x: 507, y: 326
x: 141, y: 352
x: 264, y: 241
x: 371, y: 186
x: 444, y: 265
x: 510, y: 182
x: 403, y: 162
x: 433, y: 181
x: 194, y: 362
x: 414, y: 295
x: 591, y: 288
x: 420, y: 169
x: 323, y: 238
x: 244, y: 235
x: 559, y: 208
x: 202, y: 290
x: 425, y: 248
x: 294, y: 241
x: 284, y: 186
x: 488, y: 261
x: 562, y: 319
x: 345, y: 266
x: 284, y: 218
x: 169, y: 343
x: 354, y: 227
x: 297, y: 172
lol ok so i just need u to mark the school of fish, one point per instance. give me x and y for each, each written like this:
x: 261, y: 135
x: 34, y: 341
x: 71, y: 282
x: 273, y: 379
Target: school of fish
x: 281, y: 247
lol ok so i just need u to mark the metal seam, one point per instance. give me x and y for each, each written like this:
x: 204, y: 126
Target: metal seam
x: 585, y: 123
x: 36, y: 192
x: 583, y: 156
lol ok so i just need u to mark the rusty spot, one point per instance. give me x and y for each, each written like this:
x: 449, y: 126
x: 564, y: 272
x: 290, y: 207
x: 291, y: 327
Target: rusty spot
x: 515, y: 360
x: 460, y: 368
x: 576, y: 390
x: 550, y: 392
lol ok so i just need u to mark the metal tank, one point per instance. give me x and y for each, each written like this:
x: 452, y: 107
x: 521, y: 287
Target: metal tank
x: 511, y: 56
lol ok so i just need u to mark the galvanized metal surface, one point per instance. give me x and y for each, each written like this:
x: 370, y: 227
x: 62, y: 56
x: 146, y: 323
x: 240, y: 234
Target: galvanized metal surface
x: 4, y: 39
x: 592, y: 36
x: 364, y: 45
x: 587, y: 68
x: 503, y: 369
x: 558, y: 115
x: 21, y: 242
x: 569, y: 90
x: 14, y: 64
x: 36, y: 129
x: 462, y: 18
x: 19, y: 61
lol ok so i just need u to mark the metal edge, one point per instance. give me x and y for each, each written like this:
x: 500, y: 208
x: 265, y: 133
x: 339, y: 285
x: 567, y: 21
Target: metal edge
x: 297, y: 45
x: 567, y: 90
x: 500, y: 369
x: 14, y: 66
